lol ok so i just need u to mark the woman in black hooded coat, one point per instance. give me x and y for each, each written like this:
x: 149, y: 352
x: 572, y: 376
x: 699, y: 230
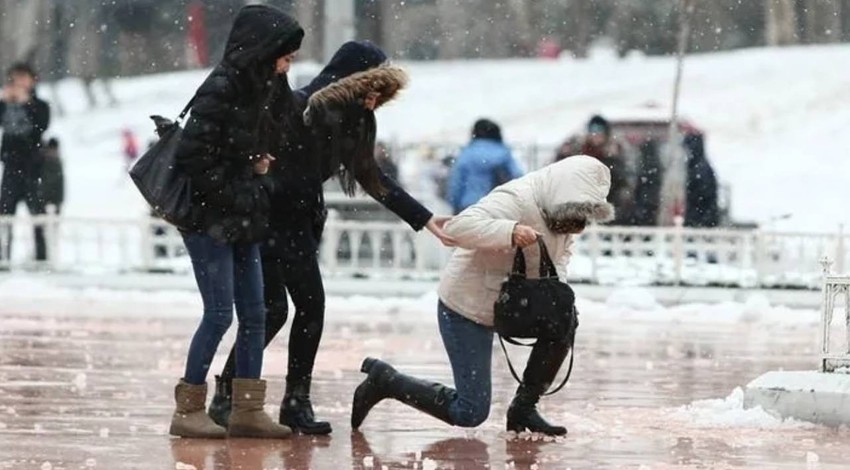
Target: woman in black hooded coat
x: 225, y: 149
x: 339, y: 141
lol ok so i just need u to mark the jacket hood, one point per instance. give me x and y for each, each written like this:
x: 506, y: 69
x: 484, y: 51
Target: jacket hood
x: 350, y: 58
x: 575, y: 187
x: 260, y: 34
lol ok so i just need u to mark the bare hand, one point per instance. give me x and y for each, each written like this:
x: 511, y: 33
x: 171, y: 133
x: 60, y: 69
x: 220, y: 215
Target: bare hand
x: 371, y: 100
x: 435, y: 226
x: 12, y: 94
x: 261, y: 166
x: 524, y: 236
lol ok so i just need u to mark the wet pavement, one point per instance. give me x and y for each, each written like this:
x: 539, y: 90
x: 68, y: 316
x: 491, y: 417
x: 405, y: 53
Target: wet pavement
x: 96, y: 392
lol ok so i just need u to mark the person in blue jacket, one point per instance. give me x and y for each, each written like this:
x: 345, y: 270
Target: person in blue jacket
x: 481, y: 166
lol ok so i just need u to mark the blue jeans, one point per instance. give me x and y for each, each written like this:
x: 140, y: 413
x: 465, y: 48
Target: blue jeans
x: 470, y: 349
x: 227, y: 274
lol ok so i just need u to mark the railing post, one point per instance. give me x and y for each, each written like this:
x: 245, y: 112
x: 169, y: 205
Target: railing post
x: 51, y: 235
x: 147, y: 247
x: 758, y: 255
x: 846, y: 320
x: 678, y: 247
x: 330, y: 242
x: 594, y: 253
x: 839, y: 250
x: 5, y: 249
x: 826, y: 313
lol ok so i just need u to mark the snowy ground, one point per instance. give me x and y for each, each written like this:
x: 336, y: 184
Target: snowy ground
x: 774, y: 120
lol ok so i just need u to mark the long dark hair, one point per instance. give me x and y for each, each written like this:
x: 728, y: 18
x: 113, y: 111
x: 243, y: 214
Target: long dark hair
x: 277, y: 110
x: 345, y: 139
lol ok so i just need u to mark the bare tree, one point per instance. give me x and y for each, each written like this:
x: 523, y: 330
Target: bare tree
x: 780, y: 22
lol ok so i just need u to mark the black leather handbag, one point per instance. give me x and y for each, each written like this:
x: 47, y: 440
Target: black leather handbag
x: 542, y: 308
x: 162, y: 184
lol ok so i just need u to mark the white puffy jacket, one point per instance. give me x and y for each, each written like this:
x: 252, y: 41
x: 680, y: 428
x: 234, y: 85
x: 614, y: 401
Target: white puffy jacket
x: 573, y: 187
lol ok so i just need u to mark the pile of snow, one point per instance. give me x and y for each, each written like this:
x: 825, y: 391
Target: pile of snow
x: 781, y: 110
x: 730, y: 413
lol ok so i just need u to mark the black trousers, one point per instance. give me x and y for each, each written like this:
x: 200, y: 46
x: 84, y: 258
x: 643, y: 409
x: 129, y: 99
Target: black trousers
x: 14, y: 189
x: 303, y: 280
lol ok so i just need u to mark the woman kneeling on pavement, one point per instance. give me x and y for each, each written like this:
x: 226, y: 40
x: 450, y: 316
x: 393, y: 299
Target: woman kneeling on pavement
x: 554, y: 203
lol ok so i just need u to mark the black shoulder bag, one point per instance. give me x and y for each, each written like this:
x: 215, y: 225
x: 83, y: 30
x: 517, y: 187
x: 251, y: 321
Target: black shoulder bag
x: 541, y: 308
x: 162, y: 184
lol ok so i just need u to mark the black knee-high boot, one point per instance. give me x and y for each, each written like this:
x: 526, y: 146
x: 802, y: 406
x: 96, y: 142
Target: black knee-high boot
x: 543, y: 364
x: 383, y: 381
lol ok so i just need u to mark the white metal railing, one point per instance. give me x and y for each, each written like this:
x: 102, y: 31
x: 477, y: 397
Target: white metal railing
x: 833, y: 287
x: 603, y: 254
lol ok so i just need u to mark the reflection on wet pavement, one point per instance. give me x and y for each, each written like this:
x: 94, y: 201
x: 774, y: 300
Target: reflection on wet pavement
x: 79, y: 392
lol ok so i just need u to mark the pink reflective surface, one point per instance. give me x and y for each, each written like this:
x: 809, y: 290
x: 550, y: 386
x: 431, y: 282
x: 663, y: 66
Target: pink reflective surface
x: 97, y: 393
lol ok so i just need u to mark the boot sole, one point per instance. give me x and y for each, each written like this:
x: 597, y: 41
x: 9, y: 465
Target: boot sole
x: 184, y: 433
x: 239, y: 431
x: 518, y: 428
x: 320, y: 430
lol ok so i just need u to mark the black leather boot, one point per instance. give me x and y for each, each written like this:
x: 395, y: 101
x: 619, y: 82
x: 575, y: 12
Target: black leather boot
x: 523, y: 415
x: 296, y: 411
x: 543, y: 364
x: 385, y: 382
x: 222, y: 401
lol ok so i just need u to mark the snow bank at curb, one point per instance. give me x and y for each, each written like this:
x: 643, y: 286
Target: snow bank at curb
x: 729, y: 412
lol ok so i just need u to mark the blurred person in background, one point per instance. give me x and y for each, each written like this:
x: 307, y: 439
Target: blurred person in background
x: 481, y: 166
x: 701, y: 206
x: 598, y: 143
x: 23, y: 118
x: 130, y: 146
x: 52, y: 177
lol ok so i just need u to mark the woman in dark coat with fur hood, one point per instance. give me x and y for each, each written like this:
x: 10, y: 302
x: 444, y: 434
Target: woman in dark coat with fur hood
x: 337, y: 140
x: 226, y: 150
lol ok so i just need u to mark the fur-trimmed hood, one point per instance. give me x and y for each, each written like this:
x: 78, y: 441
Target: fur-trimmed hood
x: 386, y: 79
x: 574, y: 188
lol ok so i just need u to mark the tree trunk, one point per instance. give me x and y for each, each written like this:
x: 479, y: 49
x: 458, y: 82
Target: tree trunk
x: 780, y: 23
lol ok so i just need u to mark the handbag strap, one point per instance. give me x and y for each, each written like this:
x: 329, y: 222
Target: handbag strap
x: 186, y: 109
x: 547, y: 267
x: 516, y: 376
x: 518, y: 268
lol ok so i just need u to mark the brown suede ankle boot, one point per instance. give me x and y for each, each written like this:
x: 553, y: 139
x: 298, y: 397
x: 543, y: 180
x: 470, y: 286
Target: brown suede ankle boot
x: 248, y: 419
x: 190, y: 419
